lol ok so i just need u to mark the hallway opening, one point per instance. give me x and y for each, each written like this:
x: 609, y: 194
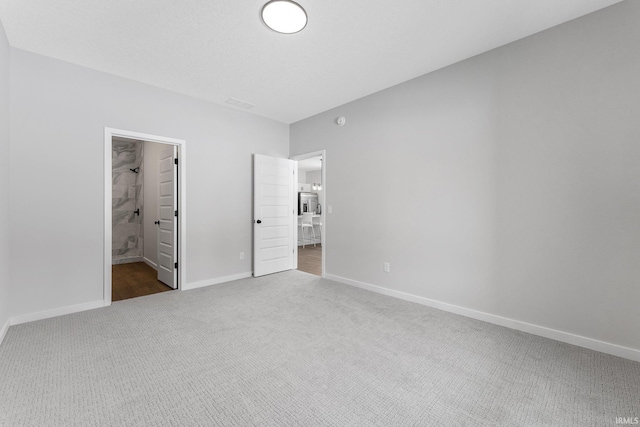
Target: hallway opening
x: 311, y: 199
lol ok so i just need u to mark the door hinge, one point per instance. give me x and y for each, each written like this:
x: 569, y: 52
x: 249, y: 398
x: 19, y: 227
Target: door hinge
x: 175, y: 213
x: 176, y: 265
x: 175, y: 161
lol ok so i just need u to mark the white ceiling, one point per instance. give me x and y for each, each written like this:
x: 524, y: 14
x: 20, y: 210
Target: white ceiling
x: 220, y: 49
x: 309, y: 165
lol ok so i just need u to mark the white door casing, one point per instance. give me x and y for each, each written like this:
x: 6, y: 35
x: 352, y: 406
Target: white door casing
x: 181, y: 145
x: 274, y: 204
x: 167, y: 203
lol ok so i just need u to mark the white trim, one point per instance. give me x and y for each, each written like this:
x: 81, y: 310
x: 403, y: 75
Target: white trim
x: 216, y: 281
x: 150, y: 263
x: 323, y: 232
x: 566, y: 337
x: 296, y: 179
x: 4, y: 330
x: 60, y: 311
x: 109, y: 133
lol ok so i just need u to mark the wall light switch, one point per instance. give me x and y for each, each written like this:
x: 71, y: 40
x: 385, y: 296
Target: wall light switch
x: 330, y: 209
x: 241, y: 255
x: 386, y: 267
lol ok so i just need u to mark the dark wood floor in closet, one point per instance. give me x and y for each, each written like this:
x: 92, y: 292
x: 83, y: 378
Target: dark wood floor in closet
x: 310, y: 259
x: 134, y: 279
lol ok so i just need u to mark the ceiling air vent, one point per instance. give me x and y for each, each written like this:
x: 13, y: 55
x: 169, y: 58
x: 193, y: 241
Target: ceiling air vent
x: 239, y: 103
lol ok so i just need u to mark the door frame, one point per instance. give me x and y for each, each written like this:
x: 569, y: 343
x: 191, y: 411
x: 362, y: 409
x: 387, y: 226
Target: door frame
x: 181, y: 144
x: 323, y: 232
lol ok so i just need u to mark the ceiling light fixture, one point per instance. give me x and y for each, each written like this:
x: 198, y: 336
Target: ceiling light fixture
x: 284, y: 16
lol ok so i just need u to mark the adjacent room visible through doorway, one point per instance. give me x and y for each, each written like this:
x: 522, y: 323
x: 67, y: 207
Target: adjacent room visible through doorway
x: 135, y: 279
x: 310, y: 214
x: 310, y: 259
x: 144, y: 185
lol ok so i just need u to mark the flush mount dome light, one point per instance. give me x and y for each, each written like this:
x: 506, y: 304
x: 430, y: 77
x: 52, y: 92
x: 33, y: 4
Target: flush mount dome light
x: 284, y: 16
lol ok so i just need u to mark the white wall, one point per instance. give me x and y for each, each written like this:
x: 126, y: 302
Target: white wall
x: 507, y: 183
x: 150, y: 194
x: 313, y: 176
x: 58, y: 115
x: 4, y: 181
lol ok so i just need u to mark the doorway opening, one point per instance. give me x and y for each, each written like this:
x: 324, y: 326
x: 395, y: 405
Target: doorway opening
x: 139, y: 239
x: 311, y: 212
x: 144, y: 215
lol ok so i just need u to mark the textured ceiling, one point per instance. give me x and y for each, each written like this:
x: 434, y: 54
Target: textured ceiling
x: 220, y: 49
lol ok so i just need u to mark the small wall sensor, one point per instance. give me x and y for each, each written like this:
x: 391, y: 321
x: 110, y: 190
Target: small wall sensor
x: 341, y: 121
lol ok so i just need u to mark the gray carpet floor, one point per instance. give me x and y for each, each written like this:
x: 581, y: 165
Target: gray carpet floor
x: 293, y: 349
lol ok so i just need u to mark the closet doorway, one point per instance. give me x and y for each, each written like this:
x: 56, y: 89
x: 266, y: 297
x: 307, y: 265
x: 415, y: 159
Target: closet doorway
x: 143, y: 233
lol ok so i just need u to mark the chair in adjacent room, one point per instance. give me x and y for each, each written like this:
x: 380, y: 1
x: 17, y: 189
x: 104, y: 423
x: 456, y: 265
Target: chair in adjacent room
x: 307, y: 222
x: 317, y: 221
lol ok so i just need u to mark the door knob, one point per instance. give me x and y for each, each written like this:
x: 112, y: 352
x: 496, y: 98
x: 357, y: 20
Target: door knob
x: 157, y: 222
x: 259, y: 221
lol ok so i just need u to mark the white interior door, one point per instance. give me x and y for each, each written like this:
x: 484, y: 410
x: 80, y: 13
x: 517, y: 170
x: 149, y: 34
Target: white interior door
x: 274, y: 204
x: 167, y: 229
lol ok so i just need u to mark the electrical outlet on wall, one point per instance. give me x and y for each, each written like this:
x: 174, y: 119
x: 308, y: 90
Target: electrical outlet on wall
x: 386, y: 267
x: 241, y: 256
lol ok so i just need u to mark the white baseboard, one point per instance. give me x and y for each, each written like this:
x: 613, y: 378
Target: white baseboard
x: 216, y: 281
x: 566, y: 337
x: 61, y: 311
x: 98, y: 304
x: 4, y: 329
x: 150, y: 263
x: 128, y: 260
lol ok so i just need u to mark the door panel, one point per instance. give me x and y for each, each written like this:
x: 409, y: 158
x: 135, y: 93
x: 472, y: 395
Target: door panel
x: 167, y: 229
x: 274, y: 206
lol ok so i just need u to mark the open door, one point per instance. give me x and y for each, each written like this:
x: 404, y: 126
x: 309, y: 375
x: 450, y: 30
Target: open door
x: 274, y: 206
x: 167, y: 229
